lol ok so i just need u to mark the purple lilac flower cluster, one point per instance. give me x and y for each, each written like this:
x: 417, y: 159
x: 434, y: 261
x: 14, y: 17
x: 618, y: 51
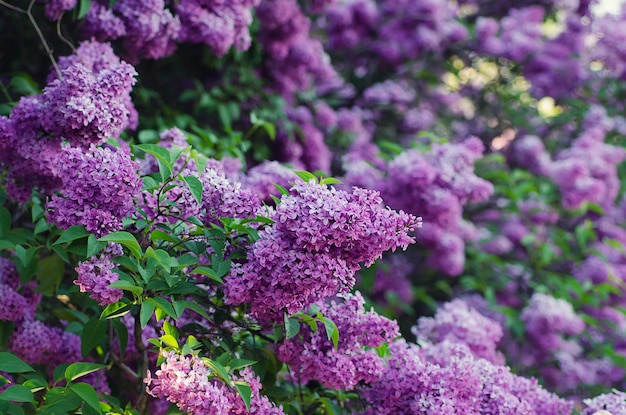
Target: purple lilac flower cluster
x: 445, y: 378
x: 395, y: 30
x: 148, y: 29
x: 307, y: 150
x: 614, y: 402
x: 436, y: 184
x: 220, y: 24
x: 89, y: 105
x: 294, y: 59
x: 55, y: 8
x: 193, y: 387
x: 16, y: 304
x: 459, y: 323
x: 96, y: 274
x: 222, y: 198
x: 99, y: 189
x: 320, y: 238
x: 311, y: 355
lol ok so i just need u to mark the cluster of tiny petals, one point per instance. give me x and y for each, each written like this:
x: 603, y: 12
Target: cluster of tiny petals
x: 16, y: 303
x: 99, y: 189
x: 223, y: 198
x: 147, y: 27
x: 311, y: 355
x: 91, y: 103
x: 55, y: 8
x: 613, y: 403
x: 296, y: 59
x: 95, y: 275
x: 547, y: 319
x: 436, y: 185
x: 458, y: 322
x: 320, y: 238
x: 188, y: 382
x: 219, y: 24
x: 262, y: 177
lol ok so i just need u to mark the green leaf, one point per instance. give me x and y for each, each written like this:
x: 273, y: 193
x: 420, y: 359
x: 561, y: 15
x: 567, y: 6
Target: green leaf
x: 115, y: 310
x: 77, y: 370
x: 218, y: 369
x: 169, y: 340
x: 195, y: 186
x: 239, y: 363
x: 83, y: 9
x: 330, y: 180
x: 147, y: 308
x: 12, y: 364
x: 161, y: 257
x: 127, y: 286
x: 158, y: 235
x: 50, y: 271
x: 94, y: 246
x: 93, y: 333
x: 88, y: 394
x: 5, y: 221
x: 208, y: 272
x: 163, y: 305
x: 331, y: 331
x: 17, y: 393
x: 292, y: 327
x: 161, y: 154
x: 125, y: 238
x: 305, y: 175
x: 245, y: 392
x: 122, y: 335
x: 71, y: 234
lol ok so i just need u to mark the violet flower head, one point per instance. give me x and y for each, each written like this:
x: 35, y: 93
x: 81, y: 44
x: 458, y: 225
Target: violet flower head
x: 548, y: 319
x: 457, y: 322
x: 95, y: 275
x: 312, y: 356
x: 218, y: 24
x: 320, y: 238
x: 99, y: 189
x: 614, y: 402
x: 191, y: 385
x: 55, y: 8
x: 92, y: 102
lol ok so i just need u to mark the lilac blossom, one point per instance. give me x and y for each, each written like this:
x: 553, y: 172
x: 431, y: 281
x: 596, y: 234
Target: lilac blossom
x: 548, y: 319
x: 219, y: 24
x: 55, y: 8
x: 295, y: 60
x: 459, y: 323
x: 194, y: 388
x: 614, y: 402
x: 91, y: 103
x: 311, y: 355
x: 320, y: 238
x: 95, y: 275
x: 99, y: 189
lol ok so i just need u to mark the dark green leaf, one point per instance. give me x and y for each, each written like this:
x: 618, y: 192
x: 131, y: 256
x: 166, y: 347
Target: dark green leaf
x: 88, y: 394
x: 85, y: 5
x: 115, y: 310
x: 195, y: 186
x: 125, y: 238
x: 12, y: 364
x: 71, y: 234
x: 245, y: 392
x: 147, y: 308
x: 93, y: 333
x: 77, y: 370
x: 17, y: 393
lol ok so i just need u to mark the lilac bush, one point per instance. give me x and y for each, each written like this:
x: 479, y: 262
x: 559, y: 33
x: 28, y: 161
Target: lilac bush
x: 173, y: 237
